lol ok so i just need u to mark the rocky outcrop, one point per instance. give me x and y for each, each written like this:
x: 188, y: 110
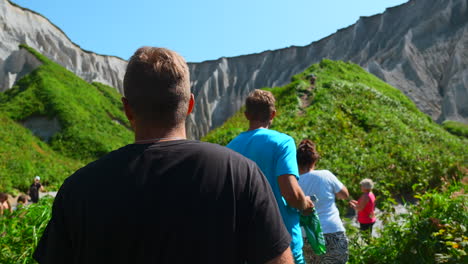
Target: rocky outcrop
x: 22, y: 26
x: 420, y: 47
x: 15, y: 66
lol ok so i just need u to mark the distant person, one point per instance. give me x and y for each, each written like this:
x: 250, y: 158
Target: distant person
x: 275, y: 154
x: 312, y: 79
x: 365, y: 206
x: 5, y: 204
x: 327, y: 187
x: 21, y: 201
x: 185, y: 201
x: 34, y: 189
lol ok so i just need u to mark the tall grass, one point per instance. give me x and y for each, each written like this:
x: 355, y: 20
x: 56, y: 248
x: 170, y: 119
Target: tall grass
x: 21, y: 230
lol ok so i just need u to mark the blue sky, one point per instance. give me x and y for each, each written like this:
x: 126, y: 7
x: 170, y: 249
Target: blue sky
x: 203, y: 29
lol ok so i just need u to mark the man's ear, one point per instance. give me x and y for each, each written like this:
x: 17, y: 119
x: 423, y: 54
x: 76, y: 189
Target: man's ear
x: 272, y: 115
x: 128, y: 111
x: 247, y: 115
x: 191, y: 104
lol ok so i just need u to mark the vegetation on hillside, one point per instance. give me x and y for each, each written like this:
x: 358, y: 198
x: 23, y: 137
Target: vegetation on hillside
x: 456, y: 128
x: 91, y: 118
x: 21, y: 230
x: 433, y: 231
x: 364, y: 128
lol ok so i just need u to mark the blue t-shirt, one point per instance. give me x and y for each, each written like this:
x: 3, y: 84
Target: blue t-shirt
x: 275, y: 154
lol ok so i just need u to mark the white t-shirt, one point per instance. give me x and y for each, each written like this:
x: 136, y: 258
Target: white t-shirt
x: 324, y: 185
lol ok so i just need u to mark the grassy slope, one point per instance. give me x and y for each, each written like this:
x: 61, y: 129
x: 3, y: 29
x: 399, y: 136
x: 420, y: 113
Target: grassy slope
x: 364, y: 128
x: 90, y: 115
x: 456, y: 128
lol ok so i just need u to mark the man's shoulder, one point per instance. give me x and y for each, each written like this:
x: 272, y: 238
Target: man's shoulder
x: 278, y: 136
x: 217, y: 152
x: 110, y: 161
x: 326, y: 173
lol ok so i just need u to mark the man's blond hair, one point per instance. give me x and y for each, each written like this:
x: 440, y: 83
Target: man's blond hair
x: 157, y: 86
x: 259, y: 105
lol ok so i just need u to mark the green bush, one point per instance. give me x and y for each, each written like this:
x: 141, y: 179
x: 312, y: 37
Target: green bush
x: 456, y: 128
x: 433, y: 231
x: 20, y: 231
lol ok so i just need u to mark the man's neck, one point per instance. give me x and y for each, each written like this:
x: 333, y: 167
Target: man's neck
x: 152, y: 134
x: 306, y: 169
x: 256, y: 125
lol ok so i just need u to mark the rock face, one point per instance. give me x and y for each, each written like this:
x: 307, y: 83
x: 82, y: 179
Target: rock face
x: 420, y: 47
x: 23, y: 26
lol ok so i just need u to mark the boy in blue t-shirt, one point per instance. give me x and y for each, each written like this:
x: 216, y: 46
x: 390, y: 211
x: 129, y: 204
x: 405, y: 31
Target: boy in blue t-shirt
x: 275, y: 154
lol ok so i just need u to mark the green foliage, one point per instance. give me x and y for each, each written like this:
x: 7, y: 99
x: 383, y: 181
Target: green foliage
x: 364, y: 128
x: 22, y: 156
x: 433, y: 231
x: 92, y: 123
x: 21, y: 231
x: 456, y: 128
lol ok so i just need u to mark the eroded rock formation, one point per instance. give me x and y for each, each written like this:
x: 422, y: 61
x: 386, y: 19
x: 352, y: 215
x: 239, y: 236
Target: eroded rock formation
x: 420, y: 47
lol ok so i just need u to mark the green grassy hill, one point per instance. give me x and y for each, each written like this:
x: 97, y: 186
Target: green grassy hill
x: 364, y: 128
x: 91, y: 119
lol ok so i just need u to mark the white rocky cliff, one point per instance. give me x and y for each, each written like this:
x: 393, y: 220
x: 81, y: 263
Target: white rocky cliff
x: 23, y: 26
x: 420, y: 47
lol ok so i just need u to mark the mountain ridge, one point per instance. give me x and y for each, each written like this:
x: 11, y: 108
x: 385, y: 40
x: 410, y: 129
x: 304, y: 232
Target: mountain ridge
x: 398, y: 45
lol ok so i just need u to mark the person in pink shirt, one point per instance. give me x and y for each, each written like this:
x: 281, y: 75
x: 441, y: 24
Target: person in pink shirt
x: 365, y: 206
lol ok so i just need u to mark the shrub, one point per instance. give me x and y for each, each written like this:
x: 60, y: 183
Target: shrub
x: 20, y: 231
x: 433, y: 231
x: 456, y: 128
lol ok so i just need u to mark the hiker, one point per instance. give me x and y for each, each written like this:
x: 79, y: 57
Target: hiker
x: 185, y: 201
x: 34, y: 189
x: 326, y: 187
x: 312, y: 78
x: 4, y: 203
x: 275, y: 154
x: 21, y: 202
x: 365, y: 206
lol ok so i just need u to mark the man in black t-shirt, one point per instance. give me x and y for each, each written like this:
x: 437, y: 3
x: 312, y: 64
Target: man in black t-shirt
x: 34, y: 189
x: 178, y: 201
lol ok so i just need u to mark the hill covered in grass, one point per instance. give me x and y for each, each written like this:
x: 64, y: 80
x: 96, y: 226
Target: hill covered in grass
x: 53, y: 122
x: 364, y: 128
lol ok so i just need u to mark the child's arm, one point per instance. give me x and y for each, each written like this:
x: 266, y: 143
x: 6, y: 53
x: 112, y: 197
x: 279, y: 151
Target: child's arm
x: 361, y: 204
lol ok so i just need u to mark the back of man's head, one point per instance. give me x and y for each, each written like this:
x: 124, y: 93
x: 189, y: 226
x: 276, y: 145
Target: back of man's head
x: 157, y: 86
x: 259, y: 105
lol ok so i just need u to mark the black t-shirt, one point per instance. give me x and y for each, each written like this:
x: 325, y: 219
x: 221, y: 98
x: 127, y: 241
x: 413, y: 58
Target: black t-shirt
x: 168, y: 202
x: 34, y: 192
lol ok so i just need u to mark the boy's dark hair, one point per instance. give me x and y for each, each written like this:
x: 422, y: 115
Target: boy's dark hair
x: 3, y: 196
x: 22, y: 199
x: 307, y: 154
